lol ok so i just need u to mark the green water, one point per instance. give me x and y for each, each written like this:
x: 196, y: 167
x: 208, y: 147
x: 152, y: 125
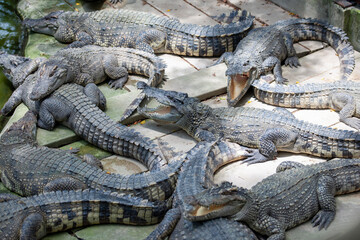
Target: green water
x: 12, y: 40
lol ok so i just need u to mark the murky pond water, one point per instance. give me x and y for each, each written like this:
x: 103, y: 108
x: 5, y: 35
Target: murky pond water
x: 12, y: 40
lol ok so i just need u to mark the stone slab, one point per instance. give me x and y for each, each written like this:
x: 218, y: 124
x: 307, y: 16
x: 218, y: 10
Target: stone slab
x: 263, y: 10
x: 59, y: 236
x: 183, y: 11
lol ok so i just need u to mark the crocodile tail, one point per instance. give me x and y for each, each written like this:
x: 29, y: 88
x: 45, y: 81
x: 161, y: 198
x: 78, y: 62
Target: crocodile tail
x: 314, y: 29
x: 232, y: 17
x: 205, y: 41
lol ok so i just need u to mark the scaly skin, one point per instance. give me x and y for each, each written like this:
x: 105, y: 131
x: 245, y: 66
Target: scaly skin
x: 197, y: 175
x: 263, y: 49
x: 39, y: 215
x: 94, y: 64
x: 127, y: 142
x: 28, y: 169
x: 82, y: 66
x: 343, y: 97
x: 283, y: 200
x: 257, y: 128
x: 141, y: 30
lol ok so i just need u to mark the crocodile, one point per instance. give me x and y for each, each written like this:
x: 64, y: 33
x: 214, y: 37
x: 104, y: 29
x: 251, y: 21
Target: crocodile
x: 263, y: 50
x: 36, y: 216
x: 340, y: 96
x: 29, y: 169
x: 293, y: 195
x: 269, y: 131
x: 195, y: 176
x: 84, y: 102
x: 142, y: 30
x: 81, y: 66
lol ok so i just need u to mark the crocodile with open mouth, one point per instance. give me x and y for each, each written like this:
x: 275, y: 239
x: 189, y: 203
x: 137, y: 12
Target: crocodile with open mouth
x: 251, y: 127
x: 295, y: 194
x: 263, y: 49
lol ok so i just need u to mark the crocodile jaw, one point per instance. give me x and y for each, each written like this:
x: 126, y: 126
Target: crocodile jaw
x: 238, y: 84
x: 202, y: 213
x: 162, y: 114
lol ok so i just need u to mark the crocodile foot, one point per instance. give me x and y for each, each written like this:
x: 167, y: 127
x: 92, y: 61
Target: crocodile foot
x: 292, y: 62
x: 118, y: 83
x: 255, y: 157
x: 323, y: 219
x: 352, y: 122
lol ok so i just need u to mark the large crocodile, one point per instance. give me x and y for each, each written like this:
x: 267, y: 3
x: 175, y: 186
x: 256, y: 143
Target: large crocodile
x: 143, y: 31
x: 196, y: 175
x: 36, y: 216
x: 82, y: 66
x: 258, y: 128
x: 341, y: 96
x: 81, y: 103
x: 28, y: 169
x: 283, y: 200
x: 263, y: 49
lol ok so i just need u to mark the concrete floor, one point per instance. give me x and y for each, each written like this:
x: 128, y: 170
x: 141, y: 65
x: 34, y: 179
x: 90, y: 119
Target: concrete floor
x: 319, y: 64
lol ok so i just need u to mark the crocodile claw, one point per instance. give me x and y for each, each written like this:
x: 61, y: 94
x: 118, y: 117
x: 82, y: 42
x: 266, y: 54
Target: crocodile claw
x: 323, y: 219
x: 118, y: 83
x: 292, y: 62
x: 255, y: 157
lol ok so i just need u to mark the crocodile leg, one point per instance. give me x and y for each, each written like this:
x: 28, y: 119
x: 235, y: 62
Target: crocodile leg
x: 284, y: 112
x: 167, y: 225
x: 347, y: 106
x: 52, y: 109
x: 275, y: 64
x: 95, y: 95
x: 31, y: 225
x: 325, y: 192
x: 269, y: 141
x: 288, y: 165
x: 225, y: 57
x: 292, y: 60
x: 64, y: 183
x: 83, y: 39
x: 116, y: 73
x: 92, y: 160
x: 14, y: 101
x: 150, y: 40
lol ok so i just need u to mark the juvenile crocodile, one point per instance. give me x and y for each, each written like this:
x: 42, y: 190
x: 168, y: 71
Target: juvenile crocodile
x: 196, y: 175
x: 142, y: 30
x: 28, y: 169
x: 257, y: 128
x: 343, y: 97
x: 263, y: 49
x: 283, y: 200
x: 36, y: 216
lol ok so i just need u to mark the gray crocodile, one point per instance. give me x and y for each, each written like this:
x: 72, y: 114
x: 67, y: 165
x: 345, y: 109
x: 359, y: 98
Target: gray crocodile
x: 196, y: 175
x: 142, y: 30
x: 119, y: 139
x: 29, y: 169
x: 283, y: 200
x: 340, y: 96
x: 263, y: 49
x: 257, y: 128
x: 36, y: 216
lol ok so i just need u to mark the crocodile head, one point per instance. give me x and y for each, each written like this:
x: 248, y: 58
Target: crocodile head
x: 46, y: 25
x: 222, y: 201
x: 175, y: 107
x: 13, y: 66
x: 50, y: 76
x: 22, y: 131
x: 240, y: 76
